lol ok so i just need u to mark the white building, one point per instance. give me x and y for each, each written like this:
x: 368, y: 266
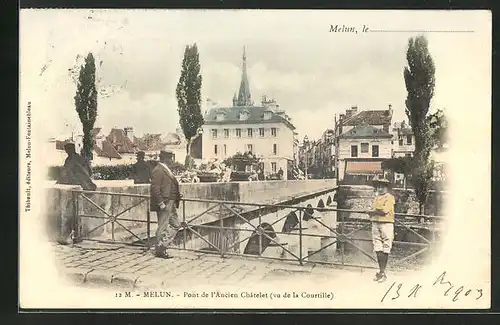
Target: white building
x: 362, y: 141
x: 362, y: 150
x: 403, y: 140
x: 264, y: 130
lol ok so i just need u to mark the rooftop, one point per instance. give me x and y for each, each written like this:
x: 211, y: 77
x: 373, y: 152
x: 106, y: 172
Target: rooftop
x: 120, y: 141
x: 380, y: 117
x: 365, y: 131
x: 255, y: 115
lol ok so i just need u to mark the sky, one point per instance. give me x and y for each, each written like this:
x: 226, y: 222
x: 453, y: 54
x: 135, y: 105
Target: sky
x: 291, y: 56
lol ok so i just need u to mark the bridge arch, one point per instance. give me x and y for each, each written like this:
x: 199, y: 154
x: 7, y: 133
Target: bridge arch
x: 252, y: 247
x: 308, y: 213
x: 291, y: 222
x: 329, y: 200
x: 321, y: 204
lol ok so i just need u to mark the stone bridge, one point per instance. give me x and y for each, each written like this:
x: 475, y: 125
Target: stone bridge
x: 239, y: 206
x: 292, y: 220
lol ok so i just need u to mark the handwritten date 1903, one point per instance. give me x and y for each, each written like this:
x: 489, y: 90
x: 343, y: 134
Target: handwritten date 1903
x: 446, y: 288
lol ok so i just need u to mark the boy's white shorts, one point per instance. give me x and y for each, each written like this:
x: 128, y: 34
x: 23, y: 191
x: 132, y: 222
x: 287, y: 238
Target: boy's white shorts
x: 383, y: 236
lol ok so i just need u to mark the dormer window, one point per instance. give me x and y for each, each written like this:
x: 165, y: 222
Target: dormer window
x: 219, y: 116
x: 244, y: 115
x: 268, y: 115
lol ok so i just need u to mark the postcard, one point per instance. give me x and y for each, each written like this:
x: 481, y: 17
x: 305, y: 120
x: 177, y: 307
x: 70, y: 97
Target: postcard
x: 256, y: 159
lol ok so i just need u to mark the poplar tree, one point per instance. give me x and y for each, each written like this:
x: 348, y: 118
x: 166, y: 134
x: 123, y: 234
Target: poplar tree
x: 420, y: 81
x: 188, y: 93
x: 86, y: 103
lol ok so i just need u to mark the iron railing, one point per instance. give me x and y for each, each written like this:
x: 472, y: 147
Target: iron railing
x: 221, y: 234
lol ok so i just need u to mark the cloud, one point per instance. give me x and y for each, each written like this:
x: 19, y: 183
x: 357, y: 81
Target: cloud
x: 312, y: 74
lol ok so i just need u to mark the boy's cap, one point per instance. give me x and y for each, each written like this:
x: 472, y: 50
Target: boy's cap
x: 382, y: 181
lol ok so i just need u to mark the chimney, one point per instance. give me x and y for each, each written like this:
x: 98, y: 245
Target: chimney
x: 129, y: 132
x: 354, y: 110
x: 390, y: 109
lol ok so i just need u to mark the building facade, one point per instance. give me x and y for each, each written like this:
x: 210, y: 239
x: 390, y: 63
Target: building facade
x: 264, y: 130
x: 403, y: 140
x: 362, y: 141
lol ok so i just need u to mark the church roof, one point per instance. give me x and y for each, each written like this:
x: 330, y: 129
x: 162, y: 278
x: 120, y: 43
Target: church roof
x: 244, y: 96
x: 365, y: 131
x: 255, y: 116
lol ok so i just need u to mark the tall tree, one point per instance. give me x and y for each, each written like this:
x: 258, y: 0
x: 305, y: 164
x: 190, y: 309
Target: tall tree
x: 420, y: 82
x: 188, y: 94
x: 86, y: 103
x: 438, y: 125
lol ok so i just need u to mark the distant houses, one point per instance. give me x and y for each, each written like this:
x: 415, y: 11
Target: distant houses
x: 120, y: 147
x: 360, y: 141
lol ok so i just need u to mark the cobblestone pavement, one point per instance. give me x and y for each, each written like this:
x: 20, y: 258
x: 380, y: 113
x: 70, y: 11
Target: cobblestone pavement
x: 91, y: 263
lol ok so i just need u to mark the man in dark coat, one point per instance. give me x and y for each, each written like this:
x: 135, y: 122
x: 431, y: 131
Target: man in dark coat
x: 76, y: 170
x: 141, y: 170
x: 280, y: 173
x: 165, y: 198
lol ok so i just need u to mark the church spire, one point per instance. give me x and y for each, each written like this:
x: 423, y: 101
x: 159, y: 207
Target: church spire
x: 244, y: 97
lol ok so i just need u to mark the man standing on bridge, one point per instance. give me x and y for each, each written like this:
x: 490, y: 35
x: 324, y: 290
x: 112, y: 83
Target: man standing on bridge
x: 141, y: 170
x: 165, y: 198
x: 76, y: 170
x: 382, y: 214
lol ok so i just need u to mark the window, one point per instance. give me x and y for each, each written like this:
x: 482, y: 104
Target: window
x: 215, y: 149
x: 273, y: 167
x: 275, y: 149
x: 248, y: 168
x: 226, y: 133
x: 243, y: 116
x: 354, y: 151
x: 214, y: 133
x: 250, y: 133
x: 400, y: 141
x: 407, y: 154
x: 375, y: 150
x: 249, y: 148
x: 225, y: 150
x: 238, y: 133
x: 364, y: 147
x: 261, y: 132
x: 273, y: 132
x: 408, y: 140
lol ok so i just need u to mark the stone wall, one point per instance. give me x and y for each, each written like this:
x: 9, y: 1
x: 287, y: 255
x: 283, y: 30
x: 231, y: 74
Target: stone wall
x: 360, y: 197
x: 60, y: 206
x: 277, y: 191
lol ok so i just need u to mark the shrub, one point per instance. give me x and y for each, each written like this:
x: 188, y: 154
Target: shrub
x: 114, y: 172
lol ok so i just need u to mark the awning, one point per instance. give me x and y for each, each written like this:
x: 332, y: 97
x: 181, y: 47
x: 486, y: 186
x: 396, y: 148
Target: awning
x: 364, y: 167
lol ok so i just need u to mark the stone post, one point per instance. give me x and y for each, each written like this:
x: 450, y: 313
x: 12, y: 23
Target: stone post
x: 313, y: 243
x: 329, y: 219
x: 293, y: 245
